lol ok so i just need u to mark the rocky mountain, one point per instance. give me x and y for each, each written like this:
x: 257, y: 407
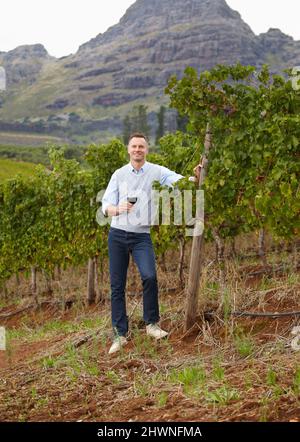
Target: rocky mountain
x: 93, y: 89
x: 24, y: 63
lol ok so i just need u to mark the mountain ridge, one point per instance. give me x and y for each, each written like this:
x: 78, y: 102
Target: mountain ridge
x: 130, y: 64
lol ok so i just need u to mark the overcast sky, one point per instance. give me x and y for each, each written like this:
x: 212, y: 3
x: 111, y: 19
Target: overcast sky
x: 62, y: 25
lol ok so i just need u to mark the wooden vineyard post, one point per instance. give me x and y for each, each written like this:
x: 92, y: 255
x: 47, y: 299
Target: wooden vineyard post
x: 195, y: 269
x: 182, y: 244
x: 262, y: 247
x: 91, y: 293
x: 33, y: 285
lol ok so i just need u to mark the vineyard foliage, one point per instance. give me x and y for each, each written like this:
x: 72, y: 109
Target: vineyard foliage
x: 254, y: 173
x: 253, y: 180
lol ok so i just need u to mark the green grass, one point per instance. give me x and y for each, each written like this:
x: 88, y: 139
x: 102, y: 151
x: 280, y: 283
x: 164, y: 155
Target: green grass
x: 10, y: 168
x: 296, y: 381
x: 210, y: 387
x: 243, y: 342
x: 75, y: 361
x: 51, y: 328
x: 222, y: 395
x: 162, y: 399
x: 191, y: 378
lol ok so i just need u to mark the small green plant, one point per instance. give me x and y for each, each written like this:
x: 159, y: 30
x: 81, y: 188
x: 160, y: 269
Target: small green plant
x: 93, y: 370
x: 222, y: 395
x: 144, y: 345
x: 244, y: 344
x: 166, y: 347
x: 226, y: 305
x: 162, y: 399
x: 156, y: 379
x: 48, y: 362
x: 41, y: 402
x: 3, y: 303
x: 89, y: 359
x: 103, y: 341
x: 212, y: 290
x: 9, y: 348
x: 272, y: 381
x: 271, y: 377
x: 113, y: 377
x: 218, y: 371
x: 71, y: 354
x: 248, y: 380
x: 90, y: 323
x: 292, y: 278
x: 141, y: 387
x: 72, y: 375
x: 33, y: 392
x: 264, y: 408
x: 296, y: 381
x: 70, y: 359
x: 191, y: 378
x: 163, y: 308
x: 265, y: 283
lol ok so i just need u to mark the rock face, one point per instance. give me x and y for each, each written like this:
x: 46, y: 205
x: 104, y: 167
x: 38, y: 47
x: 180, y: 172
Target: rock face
x: 156, y: 38
x: 131, y: 62
x: 279, y: 50
x: 24, y: 63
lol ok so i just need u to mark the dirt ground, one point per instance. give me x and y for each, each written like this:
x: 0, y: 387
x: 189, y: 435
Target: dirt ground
x: 223, y: 369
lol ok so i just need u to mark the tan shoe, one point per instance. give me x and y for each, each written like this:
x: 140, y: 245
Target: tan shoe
x: 155, y: 331
x: 117, y: 344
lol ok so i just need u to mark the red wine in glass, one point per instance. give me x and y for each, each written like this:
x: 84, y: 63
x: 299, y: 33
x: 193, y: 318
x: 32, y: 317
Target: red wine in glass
x: 132, y: 199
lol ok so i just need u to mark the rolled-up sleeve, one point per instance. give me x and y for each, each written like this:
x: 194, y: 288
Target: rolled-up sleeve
x: 111, y: 195
x: 169, y: 177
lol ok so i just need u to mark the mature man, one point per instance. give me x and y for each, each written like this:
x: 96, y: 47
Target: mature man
x: 127, y: 200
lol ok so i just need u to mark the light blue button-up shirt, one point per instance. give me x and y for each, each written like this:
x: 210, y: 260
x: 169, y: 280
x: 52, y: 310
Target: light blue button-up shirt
x: 129, y: 182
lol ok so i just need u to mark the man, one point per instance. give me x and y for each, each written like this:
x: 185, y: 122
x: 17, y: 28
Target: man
x: 130, y: 233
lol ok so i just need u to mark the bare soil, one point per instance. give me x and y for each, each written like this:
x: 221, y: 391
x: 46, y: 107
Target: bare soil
x: 251, y: 372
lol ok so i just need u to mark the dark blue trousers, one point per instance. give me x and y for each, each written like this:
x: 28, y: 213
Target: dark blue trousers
x: 120, y: 245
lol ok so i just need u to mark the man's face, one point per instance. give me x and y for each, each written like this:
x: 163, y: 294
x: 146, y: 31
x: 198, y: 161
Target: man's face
x: 138, y: 149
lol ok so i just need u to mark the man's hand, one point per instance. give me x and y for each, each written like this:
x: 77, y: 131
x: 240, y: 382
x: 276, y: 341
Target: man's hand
x: 197, y: 172
x: 117, y: 210
x: 123, y: 207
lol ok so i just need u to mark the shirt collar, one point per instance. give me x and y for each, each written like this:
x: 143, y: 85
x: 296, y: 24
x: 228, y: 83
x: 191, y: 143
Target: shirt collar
x: 142, y: 169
